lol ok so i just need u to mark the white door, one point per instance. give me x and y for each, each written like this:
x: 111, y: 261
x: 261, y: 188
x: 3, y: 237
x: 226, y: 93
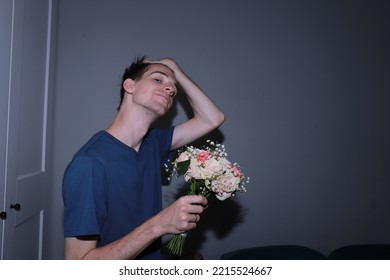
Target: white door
x: 25, y: 128
x: 5, y: 50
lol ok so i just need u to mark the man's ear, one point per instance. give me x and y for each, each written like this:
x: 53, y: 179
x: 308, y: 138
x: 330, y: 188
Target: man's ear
x: 128, y: 85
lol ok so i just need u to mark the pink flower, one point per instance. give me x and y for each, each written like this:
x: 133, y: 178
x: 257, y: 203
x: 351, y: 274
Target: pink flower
x: 237, y: 172
x: 202, y: 156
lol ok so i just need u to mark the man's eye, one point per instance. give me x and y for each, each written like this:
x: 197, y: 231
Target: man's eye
x: 158, y: 80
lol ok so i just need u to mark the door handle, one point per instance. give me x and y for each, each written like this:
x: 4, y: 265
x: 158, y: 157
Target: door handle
x: 15, y: 206
x: 3, y: 215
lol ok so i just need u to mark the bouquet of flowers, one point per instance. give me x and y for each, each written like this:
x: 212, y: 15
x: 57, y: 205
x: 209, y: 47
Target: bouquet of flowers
x: 208, y: 171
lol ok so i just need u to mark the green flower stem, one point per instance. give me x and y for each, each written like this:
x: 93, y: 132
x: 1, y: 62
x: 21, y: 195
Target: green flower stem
x: 176, y: 245
x: 193, y: 189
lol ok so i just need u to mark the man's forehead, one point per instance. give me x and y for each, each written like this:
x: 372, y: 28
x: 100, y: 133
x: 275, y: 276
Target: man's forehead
x: 156, y: 67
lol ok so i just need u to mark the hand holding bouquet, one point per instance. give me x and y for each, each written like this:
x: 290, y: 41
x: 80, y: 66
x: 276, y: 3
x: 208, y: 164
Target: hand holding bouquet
x: 207, y: 171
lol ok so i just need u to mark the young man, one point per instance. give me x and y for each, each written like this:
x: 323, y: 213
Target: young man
x: 112, y: 187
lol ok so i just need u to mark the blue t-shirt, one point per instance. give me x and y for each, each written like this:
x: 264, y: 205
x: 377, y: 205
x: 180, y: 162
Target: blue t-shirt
x: 109, y: 188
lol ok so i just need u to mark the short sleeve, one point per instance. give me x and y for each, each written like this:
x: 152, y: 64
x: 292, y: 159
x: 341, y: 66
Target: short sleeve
x: 83, y: 184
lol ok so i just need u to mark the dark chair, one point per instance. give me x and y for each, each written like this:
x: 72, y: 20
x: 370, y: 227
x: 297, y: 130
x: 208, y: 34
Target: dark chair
x: 276, y: 252
x: 362, y: 252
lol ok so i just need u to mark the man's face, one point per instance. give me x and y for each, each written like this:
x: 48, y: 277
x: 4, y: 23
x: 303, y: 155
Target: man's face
x: 156, y: 89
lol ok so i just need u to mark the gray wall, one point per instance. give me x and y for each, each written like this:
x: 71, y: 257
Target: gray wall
x: 305, y: 89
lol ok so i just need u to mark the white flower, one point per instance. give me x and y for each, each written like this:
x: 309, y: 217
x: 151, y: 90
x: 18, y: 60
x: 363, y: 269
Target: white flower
x: 183, y: 157
x: 223, y: 196
x: 206, y: 171
x: 226, y: 183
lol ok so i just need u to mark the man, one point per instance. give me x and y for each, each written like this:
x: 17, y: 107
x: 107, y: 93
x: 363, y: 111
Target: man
x: 112, y: 188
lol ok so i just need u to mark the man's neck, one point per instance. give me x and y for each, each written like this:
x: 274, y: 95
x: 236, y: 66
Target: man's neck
x: 130, y: 128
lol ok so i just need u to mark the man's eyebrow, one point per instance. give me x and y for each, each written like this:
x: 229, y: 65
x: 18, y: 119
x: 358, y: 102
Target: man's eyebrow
x: 159, y: 72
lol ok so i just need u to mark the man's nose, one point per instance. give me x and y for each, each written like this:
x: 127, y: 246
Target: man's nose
x: 170, y: 89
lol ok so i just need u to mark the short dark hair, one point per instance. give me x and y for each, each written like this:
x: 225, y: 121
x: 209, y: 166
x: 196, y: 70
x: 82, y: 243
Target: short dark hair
x: 135, y: 72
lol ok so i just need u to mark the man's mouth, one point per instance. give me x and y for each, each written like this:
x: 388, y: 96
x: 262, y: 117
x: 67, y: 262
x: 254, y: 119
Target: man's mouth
x: 166, y: 97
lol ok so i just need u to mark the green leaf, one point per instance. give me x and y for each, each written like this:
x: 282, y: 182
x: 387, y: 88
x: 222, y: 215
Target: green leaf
x: 182, y: 167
